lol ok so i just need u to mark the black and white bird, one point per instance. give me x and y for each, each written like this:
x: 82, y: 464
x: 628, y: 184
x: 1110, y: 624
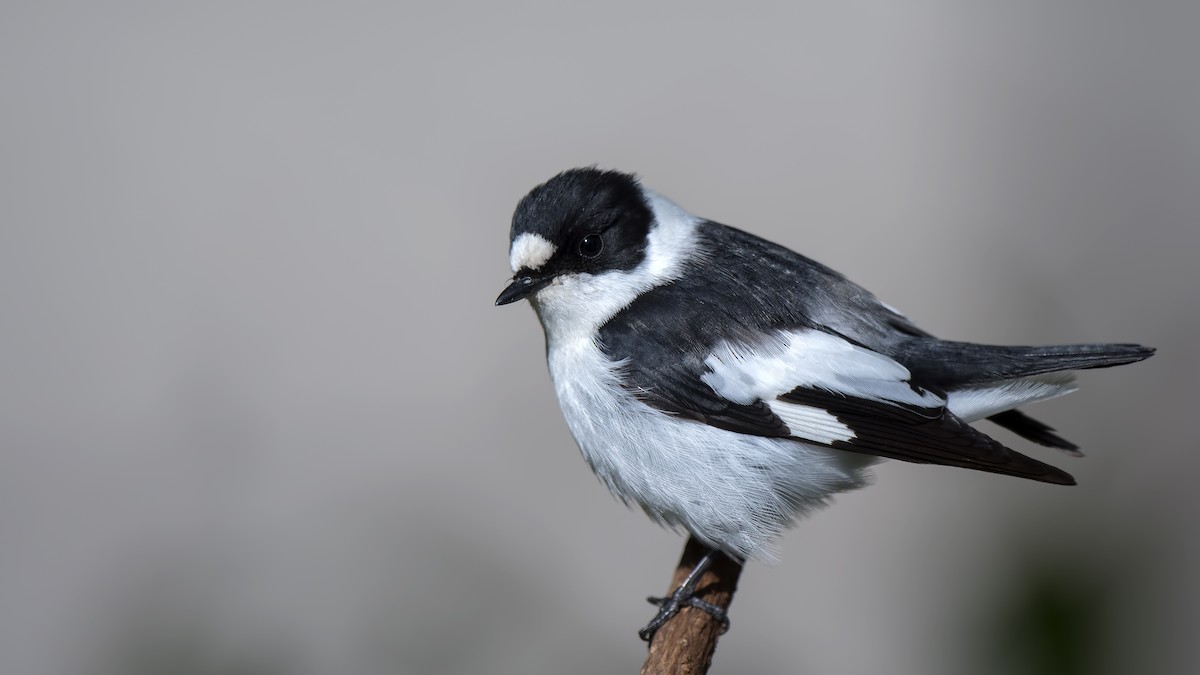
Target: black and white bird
x: 727, y: 385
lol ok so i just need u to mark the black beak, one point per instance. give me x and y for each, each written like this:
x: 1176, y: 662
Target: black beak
x: 523, y: 287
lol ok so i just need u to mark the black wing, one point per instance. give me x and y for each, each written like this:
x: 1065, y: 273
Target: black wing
x: 926, y: 436
x: 667, y: 348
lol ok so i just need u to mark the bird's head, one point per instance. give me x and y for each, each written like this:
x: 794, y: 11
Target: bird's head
x: 580, y: 224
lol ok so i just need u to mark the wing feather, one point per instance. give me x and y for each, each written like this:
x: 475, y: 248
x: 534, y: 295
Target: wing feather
x: 820, y: 388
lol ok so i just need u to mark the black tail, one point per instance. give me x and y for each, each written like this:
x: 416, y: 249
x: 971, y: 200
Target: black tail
x: 1039, y: 432
x: 956, y: 364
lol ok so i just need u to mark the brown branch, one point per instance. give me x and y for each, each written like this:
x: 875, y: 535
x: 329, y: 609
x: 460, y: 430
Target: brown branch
x: 685, y: 644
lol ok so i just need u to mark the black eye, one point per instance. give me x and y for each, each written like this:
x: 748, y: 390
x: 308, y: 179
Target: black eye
x: 591, y: 246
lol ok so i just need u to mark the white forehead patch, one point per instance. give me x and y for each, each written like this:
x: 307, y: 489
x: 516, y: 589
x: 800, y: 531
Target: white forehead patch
x: 530, y: 250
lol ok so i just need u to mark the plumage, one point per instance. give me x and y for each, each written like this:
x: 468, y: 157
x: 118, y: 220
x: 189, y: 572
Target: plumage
x: 728, y: 385
x: 1030, y: 429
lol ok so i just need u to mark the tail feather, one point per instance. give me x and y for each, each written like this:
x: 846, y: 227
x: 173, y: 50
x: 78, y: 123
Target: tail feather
x: 956, y: 364
x: 1039, y: 432
x: 988, y: 381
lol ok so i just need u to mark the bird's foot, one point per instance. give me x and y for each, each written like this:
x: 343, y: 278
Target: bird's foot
x: 684, y: 596
x: 670, y: 606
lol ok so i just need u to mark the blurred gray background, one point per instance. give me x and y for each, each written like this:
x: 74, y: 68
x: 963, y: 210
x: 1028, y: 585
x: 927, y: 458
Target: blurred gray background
x: 259, y: 416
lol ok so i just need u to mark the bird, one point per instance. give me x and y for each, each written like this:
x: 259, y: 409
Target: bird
x: 729, y: 386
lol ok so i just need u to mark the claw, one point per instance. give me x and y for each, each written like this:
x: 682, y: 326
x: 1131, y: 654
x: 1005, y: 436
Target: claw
x: 684, y: 596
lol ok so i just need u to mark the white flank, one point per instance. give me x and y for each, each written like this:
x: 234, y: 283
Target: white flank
x: 530, y: 251
x: 814, y: 424
x: 980, y: 401
x: 807, y: 358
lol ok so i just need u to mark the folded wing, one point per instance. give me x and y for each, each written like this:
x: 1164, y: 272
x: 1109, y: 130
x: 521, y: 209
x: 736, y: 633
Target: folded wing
x: 828, y: 391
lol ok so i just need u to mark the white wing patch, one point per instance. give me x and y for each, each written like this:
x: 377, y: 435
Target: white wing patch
x: 984, y: 400
x: 786, y: 360
x: 530, y: 251
x: 807, y: 358
x: 814, y: 424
